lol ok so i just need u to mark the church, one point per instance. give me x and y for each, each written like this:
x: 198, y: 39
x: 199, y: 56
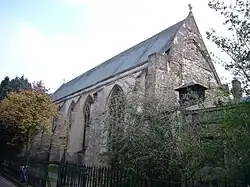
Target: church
x: 165, y: 65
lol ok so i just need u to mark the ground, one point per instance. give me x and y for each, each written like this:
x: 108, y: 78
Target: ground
x: 5, y: 183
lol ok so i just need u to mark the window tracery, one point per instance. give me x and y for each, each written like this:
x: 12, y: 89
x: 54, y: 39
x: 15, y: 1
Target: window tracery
x: 116, y: 113
x: 87, y: 121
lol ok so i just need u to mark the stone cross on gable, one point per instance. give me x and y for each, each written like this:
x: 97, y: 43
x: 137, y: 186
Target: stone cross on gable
x: 190, y: 7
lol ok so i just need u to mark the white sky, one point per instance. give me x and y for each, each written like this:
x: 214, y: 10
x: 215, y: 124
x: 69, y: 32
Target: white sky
x: 110, y: 27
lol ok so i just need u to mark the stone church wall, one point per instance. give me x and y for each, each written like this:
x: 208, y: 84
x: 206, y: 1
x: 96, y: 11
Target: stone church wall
x: 96, y: 146
x: 185, y: 62
x: 190, y: 53
x: 160, y: 76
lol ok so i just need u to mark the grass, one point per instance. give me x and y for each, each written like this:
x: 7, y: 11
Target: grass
x: 53, y: 169
x: 52, y: 180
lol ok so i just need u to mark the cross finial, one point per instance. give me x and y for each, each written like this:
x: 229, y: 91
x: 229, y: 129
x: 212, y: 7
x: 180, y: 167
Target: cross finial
x: 190, y: 7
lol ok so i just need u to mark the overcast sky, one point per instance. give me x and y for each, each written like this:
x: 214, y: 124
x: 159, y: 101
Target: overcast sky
x: 57, y: 40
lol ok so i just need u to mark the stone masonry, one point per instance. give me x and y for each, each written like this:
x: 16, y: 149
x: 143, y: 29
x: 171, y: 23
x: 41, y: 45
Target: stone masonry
x: 160, y: 75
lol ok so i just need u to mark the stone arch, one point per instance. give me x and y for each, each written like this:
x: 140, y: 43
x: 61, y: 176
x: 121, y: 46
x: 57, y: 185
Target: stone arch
x: 116, y: 114
x: 70, y: 114
x: 71, y: 108
x: 60, y: 106
x: 110, y: 93
x: 86, y: 115
x: 67, y: 126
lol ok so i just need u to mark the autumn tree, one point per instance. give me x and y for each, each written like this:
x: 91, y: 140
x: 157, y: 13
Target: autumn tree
x: 236, y: 43
x: 24, y: 114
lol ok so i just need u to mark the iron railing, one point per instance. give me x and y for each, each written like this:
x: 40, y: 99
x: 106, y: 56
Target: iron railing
x: 73, y: 175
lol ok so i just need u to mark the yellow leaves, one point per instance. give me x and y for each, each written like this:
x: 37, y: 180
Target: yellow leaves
x: 29, y: 110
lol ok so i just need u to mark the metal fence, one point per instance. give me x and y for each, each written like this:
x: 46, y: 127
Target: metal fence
x: 35, y: 171
x: 100, y: 176
x: 72, y: 175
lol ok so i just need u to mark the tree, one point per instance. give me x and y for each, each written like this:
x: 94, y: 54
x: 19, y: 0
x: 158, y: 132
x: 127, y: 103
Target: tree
x: 161, y: 142
x: 24, y: 114
x: 154, y: 141
x: 237, y: 44
x: 10, y: 133
x: 4, y: 87
x: 16, y: 84
x: 236, y: 131
x: 230, y: 150
x: 39, y: 86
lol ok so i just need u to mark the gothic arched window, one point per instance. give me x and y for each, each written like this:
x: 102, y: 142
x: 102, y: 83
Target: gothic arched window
x: 70, y: 113
x: 116, y: 107
x: 68, y: 123
x: 86, y: 115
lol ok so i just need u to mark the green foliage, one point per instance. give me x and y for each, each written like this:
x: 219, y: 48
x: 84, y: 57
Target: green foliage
x: 236, y: 131
x: 226, y: 144
x: 25, y: 110
x: 210, y: 145
x: 16, y: 84
x: 153, y: 142
x: 148, y: 150
x: 11, y: 141
x: 237, y: 44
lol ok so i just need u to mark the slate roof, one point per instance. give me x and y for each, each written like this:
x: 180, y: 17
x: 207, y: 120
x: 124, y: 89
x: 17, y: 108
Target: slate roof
x: 131, y: 58
x: 189, y: 84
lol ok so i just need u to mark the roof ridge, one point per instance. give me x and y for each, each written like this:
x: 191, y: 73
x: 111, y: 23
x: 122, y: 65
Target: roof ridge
x: 108, y: 60
x: 127, y: 58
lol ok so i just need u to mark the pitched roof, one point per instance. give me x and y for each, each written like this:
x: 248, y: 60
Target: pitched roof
x: 131, y: 58
x: 189, y: 84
